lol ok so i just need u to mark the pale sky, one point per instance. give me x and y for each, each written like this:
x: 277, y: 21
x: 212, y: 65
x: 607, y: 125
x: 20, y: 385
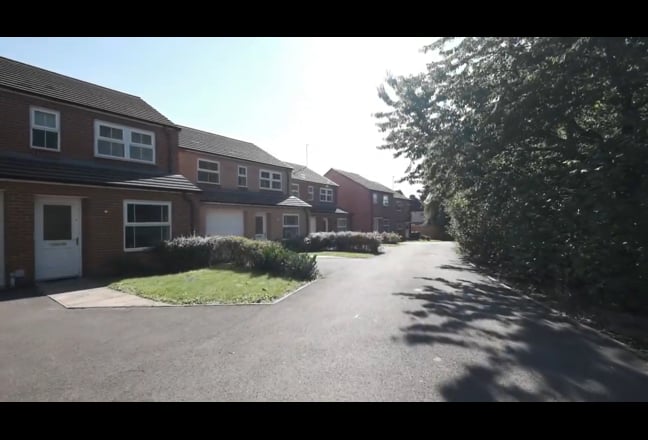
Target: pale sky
x: 279, y: 93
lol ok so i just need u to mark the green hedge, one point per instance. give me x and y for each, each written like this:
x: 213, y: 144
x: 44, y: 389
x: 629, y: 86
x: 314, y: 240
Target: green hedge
x: 186, y: 253
x: 337, y: 241
x: 390, y: 237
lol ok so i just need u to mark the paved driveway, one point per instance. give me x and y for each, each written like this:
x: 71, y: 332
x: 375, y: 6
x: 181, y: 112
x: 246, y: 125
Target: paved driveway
x: 413, y: 324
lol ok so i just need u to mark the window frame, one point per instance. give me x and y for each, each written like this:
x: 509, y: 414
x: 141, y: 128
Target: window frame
x: 126, y: 223
x: 198, y: 170
x: 292, y: 189
x: 346, y: 224
x: 325, y: 191
x: 284, y: 226
x: 374, y: 197
x: 33, y: 126
x: 238, y: 175
x: 311, y: 193
x: 271, y: 180
x: 385, y: 200
x: 126, y: 140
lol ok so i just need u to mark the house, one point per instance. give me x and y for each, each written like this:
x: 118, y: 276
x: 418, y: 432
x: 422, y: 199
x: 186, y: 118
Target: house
x: 88, y: 176
x: 245, y: 190
x: 401, y: 214
x: 417, y: 216
x: 321, y: 193
x: 370, y: 204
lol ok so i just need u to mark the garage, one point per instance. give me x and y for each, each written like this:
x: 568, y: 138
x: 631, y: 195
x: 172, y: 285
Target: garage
x: 224, y: 222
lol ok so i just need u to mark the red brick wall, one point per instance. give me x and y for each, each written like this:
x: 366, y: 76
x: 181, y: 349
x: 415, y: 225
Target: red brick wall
x: 76, y: 135
x: 354, y: 199
x: 303, y: 192
x: 188, y: 160
x: 102, y: 222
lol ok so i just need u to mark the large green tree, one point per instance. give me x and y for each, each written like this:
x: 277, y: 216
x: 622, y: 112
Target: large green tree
x: 538, y: 148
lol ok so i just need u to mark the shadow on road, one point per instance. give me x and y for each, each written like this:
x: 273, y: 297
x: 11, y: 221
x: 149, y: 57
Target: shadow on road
x: 519, y: 340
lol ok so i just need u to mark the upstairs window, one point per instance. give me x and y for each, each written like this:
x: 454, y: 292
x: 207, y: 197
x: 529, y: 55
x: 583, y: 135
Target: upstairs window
x: 385, y: 200
x: 294, y: 189
x: 208, y: 171
x: 242, y: 176
x: 270, y: 180
x: 375, y: 198
x: 126, y: 143
x: 45, y: 129
x: 326, y: 195
x: 311, y: 193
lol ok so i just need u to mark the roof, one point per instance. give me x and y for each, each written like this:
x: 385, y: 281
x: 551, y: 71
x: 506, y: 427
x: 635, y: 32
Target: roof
x: 34, y: 80
x: 265, y: 198
x: 68, y: 171
x: 302, y: 172
x: 319, y: 209
x: 207, y: 142
x: 369, y: 184
x: 399, y: 195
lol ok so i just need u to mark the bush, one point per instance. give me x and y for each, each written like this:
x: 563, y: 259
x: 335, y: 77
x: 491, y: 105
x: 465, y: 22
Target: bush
x: 390, y: 237
x: 187, y: 253
x: 343, y: 241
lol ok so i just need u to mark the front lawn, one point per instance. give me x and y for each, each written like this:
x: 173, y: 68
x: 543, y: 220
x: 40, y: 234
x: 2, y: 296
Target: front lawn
x: 341, y: 254
x: 209, y: 286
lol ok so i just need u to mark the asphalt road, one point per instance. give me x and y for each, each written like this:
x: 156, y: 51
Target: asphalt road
x: 413, y: 324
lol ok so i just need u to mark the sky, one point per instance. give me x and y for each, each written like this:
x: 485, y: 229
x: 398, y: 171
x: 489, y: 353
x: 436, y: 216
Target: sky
x: 281, y: 94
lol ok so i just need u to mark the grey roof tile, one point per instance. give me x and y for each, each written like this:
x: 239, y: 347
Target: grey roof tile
x: 30, y: 79
x: 302, y: 172
x: 264, y: 198
x: 207, y: 142
x: 369, y: 184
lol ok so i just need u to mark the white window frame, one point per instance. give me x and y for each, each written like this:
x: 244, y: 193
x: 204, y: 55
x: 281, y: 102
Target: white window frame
x: 374, y: 196
x: 239, y: 175
x: 198, y: 170
x: 293, y: 187
x: 346, y: 224
x: 283, y: 223
x: 270, y: 180
x: 326, y: 192
x: 126, y: 223
x: 311, y: 193
x: 126, y: 140
x: 385, y: 201
x: 33, y: 126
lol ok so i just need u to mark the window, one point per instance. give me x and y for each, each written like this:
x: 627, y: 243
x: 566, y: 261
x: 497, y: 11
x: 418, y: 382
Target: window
x: 118, y: 142
x: 385, y: 224
x: 146, y: 224
x: 290, y: 225
x: 341, y: 224
x: 326, y: 195
x: 385, y: 200
x: 311, y: 193
x: 375, y: 198
x: 270, y: 180
x: 208, y: 171
x: 57, y: 222
x: 45, y: 129
x: 294, y: 189
x: 242, y: 176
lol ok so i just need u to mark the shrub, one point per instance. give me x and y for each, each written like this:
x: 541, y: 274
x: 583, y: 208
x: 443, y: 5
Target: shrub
x: 186, y: 253
x: 390, y: 237
x: 343, y: 241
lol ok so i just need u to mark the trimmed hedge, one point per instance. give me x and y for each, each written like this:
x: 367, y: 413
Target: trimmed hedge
x: 194, y: 252
x: 390, y: 237
x: 337, y: 241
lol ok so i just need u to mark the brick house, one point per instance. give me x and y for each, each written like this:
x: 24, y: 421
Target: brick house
x: 370, y: 204
x: 245, y: 189
x: 401, y: 214
x: 88, y: 175
x: 321, y: 193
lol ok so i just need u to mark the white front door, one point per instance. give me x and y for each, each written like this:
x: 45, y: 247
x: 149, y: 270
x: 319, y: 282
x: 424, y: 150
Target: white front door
x: 313, y: 224
x: 57, y: 237
x: 260, y: 231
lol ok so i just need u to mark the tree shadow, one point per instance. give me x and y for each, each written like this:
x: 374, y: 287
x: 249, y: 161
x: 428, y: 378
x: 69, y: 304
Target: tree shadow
x: 518, y: 350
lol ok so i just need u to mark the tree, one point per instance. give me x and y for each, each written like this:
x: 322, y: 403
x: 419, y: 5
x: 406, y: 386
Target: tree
x: 538, y: 149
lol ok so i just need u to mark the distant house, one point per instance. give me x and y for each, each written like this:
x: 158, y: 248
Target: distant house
x: 370, y: 204
x: 88, y: 175
x: 322, y: 194
x: 245, y: 190
x: 417, y: 216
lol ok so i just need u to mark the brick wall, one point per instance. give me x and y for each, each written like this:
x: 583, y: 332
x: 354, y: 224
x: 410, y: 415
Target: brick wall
x: 355, y: 199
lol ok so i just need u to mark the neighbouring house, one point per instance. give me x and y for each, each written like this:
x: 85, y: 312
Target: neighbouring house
x: 88, y: 177
x: 401, y: 214
x: 321, y: 193
x: 417, y: 217
x: 245, y: 190
x: 370, y: 204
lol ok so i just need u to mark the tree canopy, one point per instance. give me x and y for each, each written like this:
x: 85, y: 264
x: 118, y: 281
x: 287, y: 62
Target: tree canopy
x: 538, y: 150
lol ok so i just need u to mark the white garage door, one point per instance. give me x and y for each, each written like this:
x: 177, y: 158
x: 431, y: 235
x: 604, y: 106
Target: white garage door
x: 224, y: 222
